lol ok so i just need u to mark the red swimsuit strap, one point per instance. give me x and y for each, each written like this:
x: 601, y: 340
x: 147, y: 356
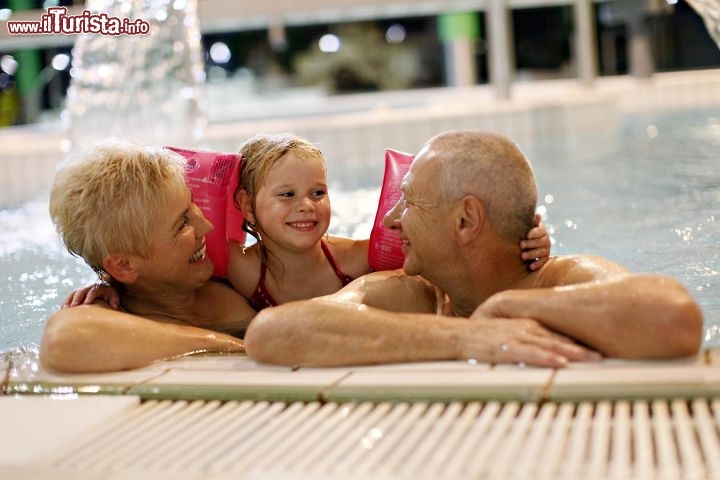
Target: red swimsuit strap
x: 345, y: 279
x: 263, y: 298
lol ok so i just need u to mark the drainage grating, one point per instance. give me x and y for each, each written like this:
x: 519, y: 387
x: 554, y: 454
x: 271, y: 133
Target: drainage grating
x: 643, y: 439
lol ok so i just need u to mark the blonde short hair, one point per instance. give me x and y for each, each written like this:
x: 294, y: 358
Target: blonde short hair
x: 106, y: 200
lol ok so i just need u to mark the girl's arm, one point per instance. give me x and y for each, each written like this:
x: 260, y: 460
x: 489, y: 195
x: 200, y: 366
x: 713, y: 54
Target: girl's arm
x: 91, y: 293
x: 350, y: 254
x: 243, y: 268
x: 536, y: 247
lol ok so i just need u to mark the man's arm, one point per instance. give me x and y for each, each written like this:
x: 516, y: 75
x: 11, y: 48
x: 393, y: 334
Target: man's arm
x: 608, y: 308
x: 96, y: 338
x: 342, y: 329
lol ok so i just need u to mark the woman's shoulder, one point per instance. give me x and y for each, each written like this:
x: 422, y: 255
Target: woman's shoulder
x: 351, y: 255
x: 232, y: 311
x: 221, y: 289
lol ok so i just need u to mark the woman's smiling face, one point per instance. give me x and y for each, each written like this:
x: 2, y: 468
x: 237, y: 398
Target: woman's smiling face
x: 177, y: 250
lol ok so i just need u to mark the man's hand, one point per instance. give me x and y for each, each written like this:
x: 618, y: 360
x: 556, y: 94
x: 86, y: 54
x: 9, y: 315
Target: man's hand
x: 520, y: 340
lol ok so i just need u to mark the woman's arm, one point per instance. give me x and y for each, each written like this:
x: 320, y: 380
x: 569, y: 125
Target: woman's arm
x: 96, y: 338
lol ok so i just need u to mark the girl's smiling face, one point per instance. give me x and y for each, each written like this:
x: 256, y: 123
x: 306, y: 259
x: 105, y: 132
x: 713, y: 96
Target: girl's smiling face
x: 292, y: 207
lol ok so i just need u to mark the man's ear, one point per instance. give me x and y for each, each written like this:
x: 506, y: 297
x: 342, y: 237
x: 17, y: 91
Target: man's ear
x: 245, y: 203
x: 470, y: 219
x: 120, y: 267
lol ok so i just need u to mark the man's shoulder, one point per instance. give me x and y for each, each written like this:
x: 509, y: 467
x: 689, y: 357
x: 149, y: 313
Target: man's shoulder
x: 395, y: 278
x: 392, y: 290
x: 578, y: 268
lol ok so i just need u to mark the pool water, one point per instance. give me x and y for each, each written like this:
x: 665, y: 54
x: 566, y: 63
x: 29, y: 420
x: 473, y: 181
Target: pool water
x: 648, y: 197
x: 645, y: 194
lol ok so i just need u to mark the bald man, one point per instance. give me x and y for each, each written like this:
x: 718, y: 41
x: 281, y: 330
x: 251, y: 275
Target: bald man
x: 467, y: 200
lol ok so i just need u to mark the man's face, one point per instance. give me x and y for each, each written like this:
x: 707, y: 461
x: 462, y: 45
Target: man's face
x: 423, y: 224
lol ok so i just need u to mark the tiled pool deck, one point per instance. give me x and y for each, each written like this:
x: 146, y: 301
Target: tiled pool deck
x: 236, y: 377
x: 227, y: 417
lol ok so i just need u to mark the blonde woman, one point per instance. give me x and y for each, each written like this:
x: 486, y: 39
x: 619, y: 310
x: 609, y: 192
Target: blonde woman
x: 126, y: 210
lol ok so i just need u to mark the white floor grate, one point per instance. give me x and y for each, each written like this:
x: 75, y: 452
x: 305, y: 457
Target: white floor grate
x: 639, y: 439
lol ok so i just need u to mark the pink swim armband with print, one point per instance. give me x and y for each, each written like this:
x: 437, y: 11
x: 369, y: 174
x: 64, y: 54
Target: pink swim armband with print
x: 385, y: 251
x: 212, y: 178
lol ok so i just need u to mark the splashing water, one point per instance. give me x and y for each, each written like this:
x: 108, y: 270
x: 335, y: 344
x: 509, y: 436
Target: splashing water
x: 709, y: 10
x: 147, y: 87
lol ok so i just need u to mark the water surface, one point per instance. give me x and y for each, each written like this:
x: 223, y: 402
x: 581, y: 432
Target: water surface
x: 645, y: 194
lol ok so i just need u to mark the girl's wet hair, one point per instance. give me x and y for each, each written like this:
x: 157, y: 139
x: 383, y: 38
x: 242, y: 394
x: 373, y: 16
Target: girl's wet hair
x: 260, y: 153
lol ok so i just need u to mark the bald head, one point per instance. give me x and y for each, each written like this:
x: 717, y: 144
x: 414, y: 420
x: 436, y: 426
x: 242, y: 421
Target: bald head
x: 491, y: 167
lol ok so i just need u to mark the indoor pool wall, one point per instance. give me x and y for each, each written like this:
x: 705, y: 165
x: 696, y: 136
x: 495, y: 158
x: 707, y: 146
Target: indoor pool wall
x: 626, y: 170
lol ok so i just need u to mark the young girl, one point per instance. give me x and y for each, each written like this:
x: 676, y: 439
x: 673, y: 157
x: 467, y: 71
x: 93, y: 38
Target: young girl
x: 283, y: 196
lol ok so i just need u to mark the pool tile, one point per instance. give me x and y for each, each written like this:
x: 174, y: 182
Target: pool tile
x: 4, y: 370
x: 26, y: 375
x: 444, y: 366
x: 712, y: 356
x: 259, y: 384
x: 481, y: 384
x: 694, y: 360
x: 635, y: 381
x: 29, y: 377
x: 43, y: 382
x: 610, y: 363
x: 217, y: 362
